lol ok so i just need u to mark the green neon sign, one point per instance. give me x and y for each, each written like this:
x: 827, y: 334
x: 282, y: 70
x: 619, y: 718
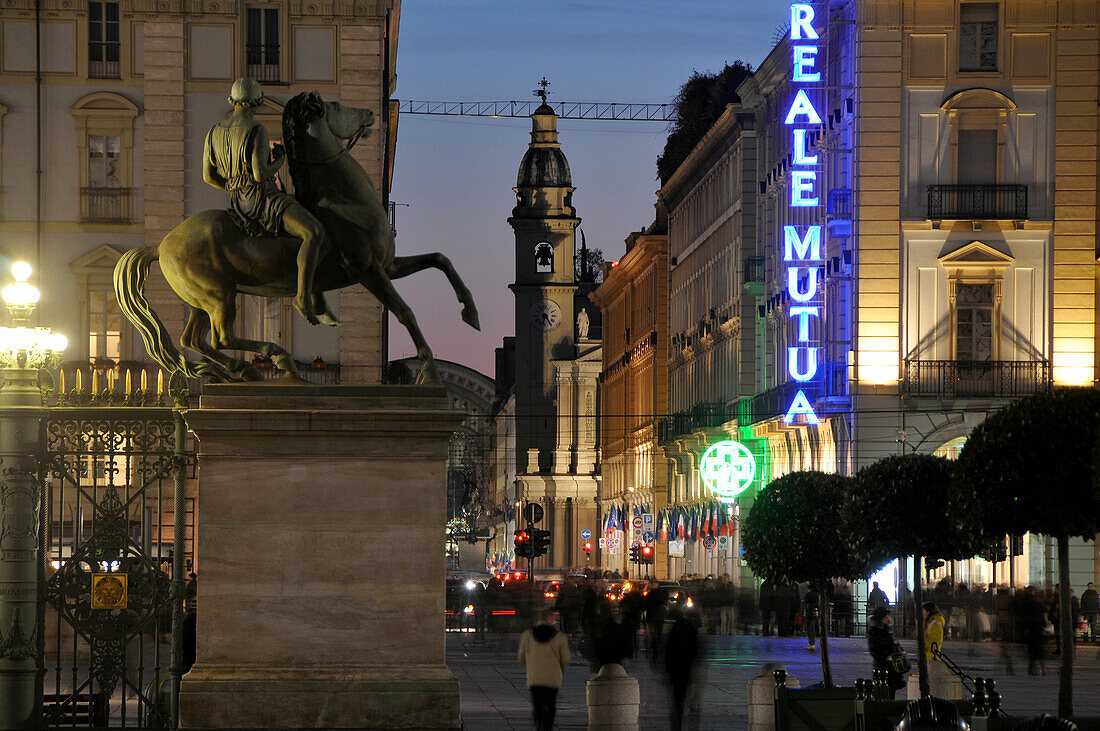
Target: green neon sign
x: 727, y: 469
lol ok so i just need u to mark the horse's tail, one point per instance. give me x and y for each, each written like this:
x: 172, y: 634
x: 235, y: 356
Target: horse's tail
x: 129, y: 279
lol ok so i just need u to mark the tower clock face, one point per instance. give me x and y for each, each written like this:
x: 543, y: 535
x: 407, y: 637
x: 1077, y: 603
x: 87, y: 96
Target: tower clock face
x: 544, y: 315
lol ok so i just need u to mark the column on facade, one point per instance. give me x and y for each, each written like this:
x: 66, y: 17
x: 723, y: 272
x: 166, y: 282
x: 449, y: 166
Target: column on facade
x: 361, y: 315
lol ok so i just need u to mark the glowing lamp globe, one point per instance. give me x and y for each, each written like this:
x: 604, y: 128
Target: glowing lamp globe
x: 22, y: 346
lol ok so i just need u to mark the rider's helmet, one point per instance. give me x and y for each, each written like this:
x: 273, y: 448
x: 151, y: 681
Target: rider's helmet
x: 932, y: 714
x: 246, y: 92
x: 1045, y: 722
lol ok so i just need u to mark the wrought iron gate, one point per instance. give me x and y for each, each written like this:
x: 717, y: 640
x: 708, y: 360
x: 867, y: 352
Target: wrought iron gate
x: 119, y: 532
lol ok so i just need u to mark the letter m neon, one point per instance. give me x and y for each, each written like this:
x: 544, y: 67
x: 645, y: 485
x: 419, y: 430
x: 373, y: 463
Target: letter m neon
x: 801, y: 249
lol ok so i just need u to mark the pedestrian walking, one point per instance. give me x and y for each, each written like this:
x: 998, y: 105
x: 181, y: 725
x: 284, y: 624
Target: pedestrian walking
x: 1090, y: 608
x: 935, y: 625
x: 544, y: 654
x: 810, y: 617
x: 882, y: 646
x: 681, y: 654
x: 767, y: 607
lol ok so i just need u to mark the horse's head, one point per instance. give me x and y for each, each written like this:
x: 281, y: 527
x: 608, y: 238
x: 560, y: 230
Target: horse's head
x: 311, y: 115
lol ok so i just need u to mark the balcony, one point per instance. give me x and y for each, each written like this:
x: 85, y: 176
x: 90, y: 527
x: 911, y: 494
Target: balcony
x: 977, y: 202
x: 262, y: 62
x: 106, y: 205
x: 754, y: 269
x: 839, y: 213
x: 701, y: 416
x: 975, y: 378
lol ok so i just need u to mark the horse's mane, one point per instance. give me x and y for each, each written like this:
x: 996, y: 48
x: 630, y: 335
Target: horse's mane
x: 296, y: 117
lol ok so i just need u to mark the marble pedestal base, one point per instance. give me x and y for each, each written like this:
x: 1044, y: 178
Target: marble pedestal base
x: 321, y: 518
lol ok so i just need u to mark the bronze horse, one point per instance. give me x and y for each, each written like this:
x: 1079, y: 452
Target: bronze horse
x: 208, y: 259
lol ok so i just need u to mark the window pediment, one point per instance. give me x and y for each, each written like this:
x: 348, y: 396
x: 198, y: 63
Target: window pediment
x: 105, y: 104
x: 976, y: 255
x: 977, y: 100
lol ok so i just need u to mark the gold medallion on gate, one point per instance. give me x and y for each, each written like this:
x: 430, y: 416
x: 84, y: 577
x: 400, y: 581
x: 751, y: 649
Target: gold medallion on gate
x: 109, y: 591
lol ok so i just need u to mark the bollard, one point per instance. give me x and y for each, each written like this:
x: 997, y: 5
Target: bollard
x: 613, y: 700
x: 762, y: 695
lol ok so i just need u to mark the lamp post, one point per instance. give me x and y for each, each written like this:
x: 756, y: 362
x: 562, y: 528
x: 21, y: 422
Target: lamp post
x: 23, y: 351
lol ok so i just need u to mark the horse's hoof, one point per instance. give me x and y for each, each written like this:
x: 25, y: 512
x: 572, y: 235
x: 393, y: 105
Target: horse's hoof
x: 251, y: 373
x: 306, y: 311
x: 329, y: 319
x: 469, y: 316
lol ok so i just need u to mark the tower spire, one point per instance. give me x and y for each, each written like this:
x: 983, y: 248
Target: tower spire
x: 543, y: 92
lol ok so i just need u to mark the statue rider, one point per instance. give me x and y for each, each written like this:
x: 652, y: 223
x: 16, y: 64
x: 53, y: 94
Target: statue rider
x: 238, y: 158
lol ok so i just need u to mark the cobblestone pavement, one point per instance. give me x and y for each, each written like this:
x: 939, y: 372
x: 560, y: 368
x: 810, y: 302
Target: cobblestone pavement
x: 494, y: 692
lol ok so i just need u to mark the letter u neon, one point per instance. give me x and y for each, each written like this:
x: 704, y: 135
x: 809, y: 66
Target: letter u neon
x: 792, y: 284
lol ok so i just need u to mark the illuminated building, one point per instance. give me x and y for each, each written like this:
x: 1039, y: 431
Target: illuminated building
x: 634, y: 302
x: 928, y: 209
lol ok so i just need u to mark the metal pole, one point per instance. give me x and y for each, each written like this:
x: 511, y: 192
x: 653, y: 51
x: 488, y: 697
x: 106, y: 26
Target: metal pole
x: 20, y: 546
x: 176, y: 596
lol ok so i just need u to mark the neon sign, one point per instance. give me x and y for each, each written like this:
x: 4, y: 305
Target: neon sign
x: 802, y: 244
x: 727, y: 469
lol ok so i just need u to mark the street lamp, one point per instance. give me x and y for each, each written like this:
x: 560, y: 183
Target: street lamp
x: 22, y: 346
x: 23, y: 351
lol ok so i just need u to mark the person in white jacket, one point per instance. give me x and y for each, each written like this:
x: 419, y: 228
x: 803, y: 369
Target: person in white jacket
x: 544, y: 653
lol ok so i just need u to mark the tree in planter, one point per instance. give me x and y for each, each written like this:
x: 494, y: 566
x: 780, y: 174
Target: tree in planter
x: 908, y: 506
x: 1034, y: 465
x: 795, y: 532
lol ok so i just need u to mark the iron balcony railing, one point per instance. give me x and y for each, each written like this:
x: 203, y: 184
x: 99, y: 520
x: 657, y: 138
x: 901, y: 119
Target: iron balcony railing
x: 840, y: 203
x: 106, y: 205
x: 105, y: 69
x: 263, y: 62
x: 700, y: 416
x: 774, y: 402
x: 975, y: 378
x: 977, y: 202
x: 754, y: 269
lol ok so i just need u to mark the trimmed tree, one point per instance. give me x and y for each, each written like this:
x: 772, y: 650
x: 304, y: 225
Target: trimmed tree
x: 1033, y: 465
x: 908, y: 506
x: 795, y: 532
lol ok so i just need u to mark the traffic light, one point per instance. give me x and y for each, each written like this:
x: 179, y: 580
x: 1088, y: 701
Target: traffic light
x: 523, y: 544
x: 647, y: 554
x: 635, y: 554
x: 1017, y: 545
x: 540, y: 542
x: 588, y: 548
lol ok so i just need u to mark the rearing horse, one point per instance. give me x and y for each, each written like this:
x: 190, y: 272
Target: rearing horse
x: 208, y: 259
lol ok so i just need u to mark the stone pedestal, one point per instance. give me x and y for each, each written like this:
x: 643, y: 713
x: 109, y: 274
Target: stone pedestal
x: 762, y: 697
x: 613, y: 698
x: 942, y: 683
x: 320, y: 523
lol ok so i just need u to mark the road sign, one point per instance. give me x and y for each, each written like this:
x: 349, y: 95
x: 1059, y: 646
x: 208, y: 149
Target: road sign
x: 648, y: 521
x: 723, y: 544
x: 611, y: 543
x: 648, y: 536
x: 603, y: 543
x: 532, y: 513
x: 709, y: 542
x: 636, y: 534
x: 637, y: 521
x: 636, y: 544
x: 586, y: 534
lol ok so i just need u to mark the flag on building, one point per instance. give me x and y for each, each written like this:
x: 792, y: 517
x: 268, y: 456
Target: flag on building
x: 723, y: 521
x: 662, y: 529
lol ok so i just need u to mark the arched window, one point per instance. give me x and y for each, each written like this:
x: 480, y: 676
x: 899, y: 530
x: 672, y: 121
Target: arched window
x: 105, y: 146
x: 544, y: 258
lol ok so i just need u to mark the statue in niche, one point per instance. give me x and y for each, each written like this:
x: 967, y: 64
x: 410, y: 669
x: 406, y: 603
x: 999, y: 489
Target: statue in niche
x: 333, y: 232
x: 582, y: 324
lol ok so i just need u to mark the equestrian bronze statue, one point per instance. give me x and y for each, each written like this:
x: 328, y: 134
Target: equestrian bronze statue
x: 269, y: 244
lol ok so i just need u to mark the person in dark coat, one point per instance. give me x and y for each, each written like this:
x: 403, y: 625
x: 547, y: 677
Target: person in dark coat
x: 810, y: 604
x: 612, y: 642
x: 882, y: 645
x: 1090, y: 608
x: 681, y: 654
x: 1035, y: 622
x: 767, y: 607
x: 786, y: 602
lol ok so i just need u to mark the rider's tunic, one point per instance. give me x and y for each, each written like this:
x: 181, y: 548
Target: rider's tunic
x: 262, y: 202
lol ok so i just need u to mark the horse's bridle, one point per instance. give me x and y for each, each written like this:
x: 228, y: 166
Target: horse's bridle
x: 346, y: 149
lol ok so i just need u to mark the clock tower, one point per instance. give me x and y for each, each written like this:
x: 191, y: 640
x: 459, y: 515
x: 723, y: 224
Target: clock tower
x: 544, y: 222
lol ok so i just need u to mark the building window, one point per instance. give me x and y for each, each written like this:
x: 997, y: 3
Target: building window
x: 977, y: 156
x: 105, y: 140
x: 978, y: 37
x: 262, y: 49
x: 103, y: 40
x: 974, y: 322
x: 104, y: 327
x: 544, y: 258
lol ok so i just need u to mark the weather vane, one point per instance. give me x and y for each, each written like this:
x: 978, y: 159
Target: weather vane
x: 543, y: 93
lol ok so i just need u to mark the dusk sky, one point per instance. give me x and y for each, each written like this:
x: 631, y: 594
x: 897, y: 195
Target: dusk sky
x: 456, y: 173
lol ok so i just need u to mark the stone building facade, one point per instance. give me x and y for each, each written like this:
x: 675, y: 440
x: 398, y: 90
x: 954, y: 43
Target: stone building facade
x: 633, y: 299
